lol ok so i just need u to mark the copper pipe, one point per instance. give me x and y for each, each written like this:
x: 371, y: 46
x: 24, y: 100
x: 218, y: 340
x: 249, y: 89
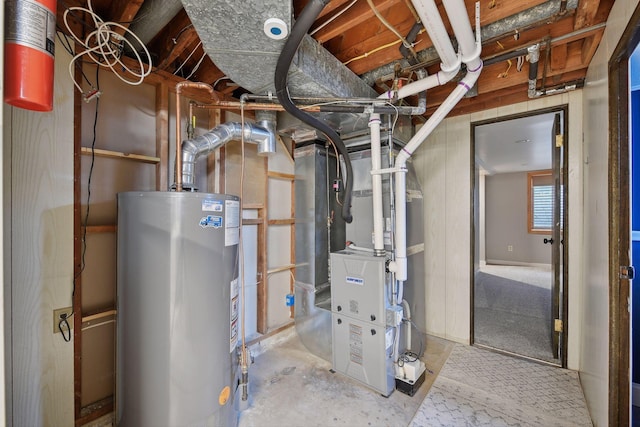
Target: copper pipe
x: 179, y: 86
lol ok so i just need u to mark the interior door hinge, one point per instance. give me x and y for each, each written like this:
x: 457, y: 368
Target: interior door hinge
x: 557, y: 326
x: 559, y: 141
x: 627, y: 272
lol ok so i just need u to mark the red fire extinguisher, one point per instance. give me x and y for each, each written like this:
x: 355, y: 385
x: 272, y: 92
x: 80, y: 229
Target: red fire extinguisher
x: 29, y: 45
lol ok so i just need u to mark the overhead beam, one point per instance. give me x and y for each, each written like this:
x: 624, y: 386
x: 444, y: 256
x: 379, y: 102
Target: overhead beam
x: 123, y: 12
x: 586, y: 13
x: 173, y: 40
x: 357, y: 14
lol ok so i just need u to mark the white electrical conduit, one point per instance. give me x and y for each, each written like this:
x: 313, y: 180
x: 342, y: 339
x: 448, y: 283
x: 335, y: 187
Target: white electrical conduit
x: 470, y: 48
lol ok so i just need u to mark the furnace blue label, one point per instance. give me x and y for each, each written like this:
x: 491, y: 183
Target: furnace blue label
x: 212, y: 205
x: 214, y: 221
x: 355, y: 281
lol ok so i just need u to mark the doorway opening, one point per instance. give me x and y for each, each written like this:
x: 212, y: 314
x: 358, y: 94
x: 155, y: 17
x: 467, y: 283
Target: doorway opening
x: 519, y: 280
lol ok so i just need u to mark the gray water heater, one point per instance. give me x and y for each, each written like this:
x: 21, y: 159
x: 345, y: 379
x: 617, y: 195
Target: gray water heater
x: 177, y: 322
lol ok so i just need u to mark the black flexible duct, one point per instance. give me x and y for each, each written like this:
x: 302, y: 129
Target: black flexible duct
x: 300, y: 28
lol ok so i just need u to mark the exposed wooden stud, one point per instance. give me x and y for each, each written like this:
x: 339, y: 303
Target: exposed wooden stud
x: 280, y: 175
x: 589, y: 47
x: 281, y: 269
x: 292, y: 246
x: 123, y: 12
x: 263, y: 281
x: 162, y: 137
x: 359, y: 13
x: 99, y: 229
x: 559, y: 57
x: 252, y: 221
x: 118, y: 155
x: 586, y: 13
x: 98, y: 316
x: 213, y: 175
x: 77, y: 249
x: 284, y: 221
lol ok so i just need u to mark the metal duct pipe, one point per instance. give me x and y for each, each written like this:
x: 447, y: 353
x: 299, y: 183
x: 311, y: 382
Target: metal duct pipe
x: 534, y: 57
x: 179, y: 87
x: 217, y: 137
x: 299, y: 30
x: 153, y: 16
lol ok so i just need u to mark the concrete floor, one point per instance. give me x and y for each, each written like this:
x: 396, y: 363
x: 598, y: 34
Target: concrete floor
x: 289, y: 386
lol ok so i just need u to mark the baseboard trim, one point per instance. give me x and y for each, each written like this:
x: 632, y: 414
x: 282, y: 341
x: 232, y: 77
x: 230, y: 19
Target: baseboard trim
x: 635, y: 394
x: 516, y: 263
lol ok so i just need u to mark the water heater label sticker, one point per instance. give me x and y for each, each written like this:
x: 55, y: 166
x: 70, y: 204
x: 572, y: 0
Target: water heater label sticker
x: 231, y: 236
x: 211, y: 221
x: 355, y: 280
x: 232, y: 213
x: 209, y: 205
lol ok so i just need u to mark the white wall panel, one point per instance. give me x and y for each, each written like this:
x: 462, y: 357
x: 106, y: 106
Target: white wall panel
x: 444, y: 171
x: 458, y: 228
x: 42, y: 256
x: 432, y: 155
x: 594, y: 344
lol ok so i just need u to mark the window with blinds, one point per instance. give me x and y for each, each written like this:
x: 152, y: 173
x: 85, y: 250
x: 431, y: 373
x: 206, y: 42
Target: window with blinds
x: 541, y: 195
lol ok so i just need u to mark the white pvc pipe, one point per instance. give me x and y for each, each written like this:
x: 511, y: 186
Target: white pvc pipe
x: 430, y: 16
x: 468, y: 45
x: 474, y: 67
x: 438, y: 79
x: 376, y: 164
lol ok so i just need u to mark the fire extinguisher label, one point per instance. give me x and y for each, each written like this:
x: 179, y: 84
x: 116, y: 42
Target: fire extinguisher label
x: 31, y: 24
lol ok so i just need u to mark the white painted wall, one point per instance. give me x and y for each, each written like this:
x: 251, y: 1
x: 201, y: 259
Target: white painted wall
x: 594, y: 342
x: 507, y: 222
x: 41, y: 255
x: 443, y: 165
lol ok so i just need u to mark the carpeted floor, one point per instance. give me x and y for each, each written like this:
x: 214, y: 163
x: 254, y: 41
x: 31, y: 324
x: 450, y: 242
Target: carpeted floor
x: 478, y: 387
x: 513, y: 310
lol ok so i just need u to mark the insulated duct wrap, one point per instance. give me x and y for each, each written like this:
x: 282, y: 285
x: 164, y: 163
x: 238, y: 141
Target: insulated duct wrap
x: 232, y: 35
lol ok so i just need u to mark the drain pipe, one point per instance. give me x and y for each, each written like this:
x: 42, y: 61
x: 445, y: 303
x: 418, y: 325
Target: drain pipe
x: 470, y: 53
x: 430, y: 17
x: 376, y: 186
x: 534, y: 57
x: 262, y: 134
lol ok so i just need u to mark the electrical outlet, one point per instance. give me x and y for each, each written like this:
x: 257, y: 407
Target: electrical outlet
x: 510, y: 248
x: 58, y: 315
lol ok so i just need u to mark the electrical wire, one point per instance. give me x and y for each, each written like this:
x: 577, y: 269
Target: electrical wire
x: 372, y: 51
x: 333, y: 18
x: 85, y: 222
x: 391, y: 28
x: 104, y: 47
x: 188, y: 57
x: 195, y: 68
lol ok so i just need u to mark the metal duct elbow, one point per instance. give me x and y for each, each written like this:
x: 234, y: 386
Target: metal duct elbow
x: 192, y: 149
